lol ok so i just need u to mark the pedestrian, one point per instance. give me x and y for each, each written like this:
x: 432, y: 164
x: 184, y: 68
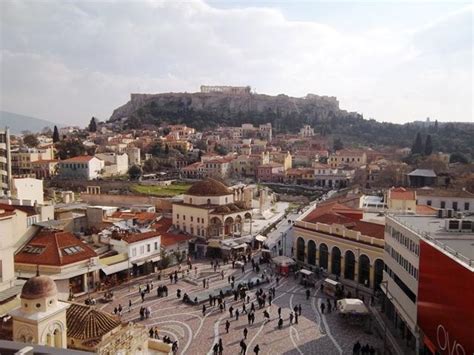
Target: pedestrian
x: 256, y: 349
x: 270, y: 300
x: 249, y: 317
x: 322, y: 308
x: 296, y: 318
x: 227, y: 326
x: 236, y: 314
x: 203, y: 283
x: 299, y: 309
x: 280, y: 323
x: 245, y: 333
x: 171, y: 278
x: 222, y: 274
x: 115, y: 310
x: 203, y: 309
x: 252, y: 307
x: 243, y: 347
x: 156, y: 336
x: 244, y: 308
x: 291, y: 317
x: 243, y: 269
x: 231, y: 311
x: 253, y: 317
x: 129, y: 305
x: 329, y: 306
x: 308, y: 293
x: 151, y: 332
x: 279, y: 312
x: 221, y: 307
x: 215, y: 349
x: 143, y: 296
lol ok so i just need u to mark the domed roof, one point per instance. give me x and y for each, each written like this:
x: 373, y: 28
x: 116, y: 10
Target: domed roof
x: 39, y: 287
x: 208, y: 187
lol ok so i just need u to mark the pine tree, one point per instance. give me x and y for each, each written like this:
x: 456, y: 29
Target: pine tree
x: 428, y: 145
x: 55, y: 134
x: 417, y: 147
x: 92, y: 125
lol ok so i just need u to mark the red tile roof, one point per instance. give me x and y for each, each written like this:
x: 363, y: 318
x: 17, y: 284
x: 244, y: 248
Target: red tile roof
x: 333, y: 207
x: 399, y: 193
x: 51, y: 248
x: 29, y: 210
x: 167, y: 239
x: 79, y: 159
x: 142, y: 217
x: 138, y: 237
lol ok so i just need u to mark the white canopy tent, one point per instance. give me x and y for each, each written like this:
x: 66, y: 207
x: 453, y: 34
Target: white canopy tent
x: 352, y: 306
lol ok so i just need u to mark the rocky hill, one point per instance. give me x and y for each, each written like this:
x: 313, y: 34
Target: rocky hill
x: 206, y: 110
x: 286, y: 114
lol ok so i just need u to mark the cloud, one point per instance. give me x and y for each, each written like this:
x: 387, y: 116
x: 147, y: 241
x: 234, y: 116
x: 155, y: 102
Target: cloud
x: 68, y: 61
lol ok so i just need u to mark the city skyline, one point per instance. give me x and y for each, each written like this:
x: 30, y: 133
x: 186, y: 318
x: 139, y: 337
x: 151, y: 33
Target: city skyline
x: 75, y: 60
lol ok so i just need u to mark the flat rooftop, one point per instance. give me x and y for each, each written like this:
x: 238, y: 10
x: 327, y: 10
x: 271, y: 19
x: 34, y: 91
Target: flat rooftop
x: 459, y: 244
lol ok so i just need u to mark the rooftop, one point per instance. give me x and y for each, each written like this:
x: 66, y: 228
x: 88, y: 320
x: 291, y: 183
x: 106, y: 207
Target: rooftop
x: 399, y: 193
x: 54, y: 248
x: 423, y: 173
x: 458, y: 244
x: 208, y: 187
x: 79, y: 159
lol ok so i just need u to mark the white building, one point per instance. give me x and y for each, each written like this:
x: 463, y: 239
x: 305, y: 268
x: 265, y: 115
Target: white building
x: 306, y: 131
x: 134, y: 157
x: 5, y: 162
x: 458, y: 200
x: 28, y: 189
x: 140, y: 247
x: 81, y: 167
x: 114, y: 163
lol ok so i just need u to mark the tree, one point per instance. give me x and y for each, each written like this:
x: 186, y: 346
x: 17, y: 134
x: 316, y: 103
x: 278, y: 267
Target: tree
x: 55, y: 134
x: 93, y: 125
x: 134, y: 172
x: 157, y: 149
x: 417, y: 147
x: 428, y: 145
x: 69, y: 148
x: 220, y: 149
x: 151, y: 165
x: 458, y: 157
x: 31, y: 140
x: 337, y: 144
x: 165, y: 259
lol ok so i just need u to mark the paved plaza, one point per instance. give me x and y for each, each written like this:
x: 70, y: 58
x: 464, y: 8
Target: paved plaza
x: 196, y: 333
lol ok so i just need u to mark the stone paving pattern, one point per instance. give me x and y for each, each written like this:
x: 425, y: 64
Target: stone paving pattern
x: 196, y: 334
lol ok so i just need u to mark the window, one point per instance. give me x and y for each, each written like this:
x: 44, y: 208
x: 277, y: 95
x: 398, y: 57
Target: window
x: 148, y: 248
x: 72, y: 250
x: 192, y: 218
x: 466, y: 206
x: 177, y: 216
x: 31, y: 249
x: 198, y: 219
x: 184, y: 217
x: 443, y: 204
x: 428, y: 202
x: 156, y: 245
x: 191, y: 200
x: 142, y: 249
x: 455, y: 205
x: 134, y: 252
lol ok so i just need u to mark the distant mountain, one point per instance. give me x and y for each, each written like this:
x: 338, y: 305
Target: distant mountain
x: 19, y: 123
x: 286, y: 114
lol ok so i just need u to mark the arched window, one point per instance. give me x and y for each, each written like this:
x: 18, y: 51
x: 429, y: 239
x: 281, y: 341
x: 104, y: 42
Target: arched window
x: 364, y: 270
x: 336, y: 261
x: 311, y: 252
x: 323, y: 256
x: 349, y: 265
x: 378, y: 272
x: 300, y: 249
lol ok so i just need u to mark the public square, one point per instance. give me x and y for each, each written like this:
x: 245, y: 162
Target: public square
x: 196, y: 333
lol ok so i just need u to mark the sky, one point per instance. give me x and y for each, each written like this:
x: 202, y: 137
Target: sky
x: 395, y: 61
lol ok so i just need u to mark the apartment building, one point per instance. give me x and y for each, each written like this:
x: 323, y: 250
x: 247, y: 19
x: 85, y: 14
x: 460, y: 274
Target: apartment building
x: 5, y: 162
x: 24, y: 158
x: 352, y: 158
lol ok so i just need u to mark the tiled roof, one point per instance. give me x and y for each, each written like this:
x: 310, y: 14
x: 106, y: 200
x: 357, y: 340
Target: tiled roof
x: 137, y: 237
x: 444, y: 193
x: 400, y: 193
x: 29, y: 210
x: 208, y: 187
x: 426, y: 210
x: 87, y: 323
x: 332, y: 207
x: 140, y: 216
x: 79, y: 159
x: 54, y: 248
x: 162, y: 226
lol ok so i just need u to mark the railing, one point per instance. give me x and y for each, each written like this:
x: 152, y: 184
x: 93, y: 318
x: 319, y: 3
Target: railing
x: 346, y: 233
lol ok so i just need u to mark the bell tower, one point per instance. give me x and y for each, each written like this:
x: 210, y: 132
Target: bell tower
x: 41, y: 319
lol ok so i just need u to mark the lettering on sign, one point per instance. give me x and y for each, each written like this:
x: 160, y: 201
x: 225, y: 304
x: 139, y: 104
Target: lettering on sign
x: 444, y: 343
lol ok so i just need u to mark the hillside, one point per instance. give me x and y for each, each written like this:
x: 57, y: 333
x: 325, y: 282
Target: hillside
x: 19, y: 123
x: 287, y: 114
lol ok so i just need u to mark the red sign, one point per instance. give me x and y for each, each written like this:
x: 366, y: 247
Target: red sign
x: 445, y: 302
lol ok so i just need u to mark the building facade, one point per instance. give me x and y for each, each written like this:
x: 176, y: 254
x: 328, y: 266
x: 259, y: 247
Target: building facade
x: 5, y: 162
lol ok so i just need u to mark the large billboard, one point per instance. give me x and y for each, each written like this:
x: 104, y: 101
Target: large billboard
x: 445, y: 302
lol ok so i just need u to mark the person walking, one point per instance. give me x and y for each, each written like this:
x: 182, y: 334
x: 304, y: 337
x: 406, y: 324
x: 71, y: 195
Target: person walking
x: 243, y: 347
x: 221, y: 346
x: 227, y: 326
x: 129, y: 305
x: 296, y: 318
x: 291, y: 317
x: 215, y: 349
x: 256, y: 349
x: 308, y: 293
x: 280, y: 323
x: 236, y: 314
x: 245, y: 333
x: 231, y: 311
x: 279, y: 312
x: 244, y: 308
x: 323, y: 306
x: 203, y: 309
x: 299, y: 309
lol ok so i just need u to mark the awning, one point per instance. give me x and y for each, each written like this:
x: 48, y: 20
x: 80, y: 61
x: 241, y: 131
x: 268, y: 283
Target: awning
x: 241, y: 246
x: 305, y: 272
x: 214, y: 243
x: 68, y: 275
x: 112, y: 269
x: 261, y: 238
x: 114, y: 259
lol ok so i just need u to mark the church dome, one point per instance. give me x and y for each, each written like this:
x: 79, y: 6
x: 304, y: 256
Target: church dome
x: 39, y: 287
x: 208, y: 187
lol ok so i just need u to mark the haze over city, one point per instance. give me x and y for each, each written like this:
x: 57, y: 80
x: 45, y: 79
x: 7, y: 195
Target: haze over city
x: 397, y: 61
